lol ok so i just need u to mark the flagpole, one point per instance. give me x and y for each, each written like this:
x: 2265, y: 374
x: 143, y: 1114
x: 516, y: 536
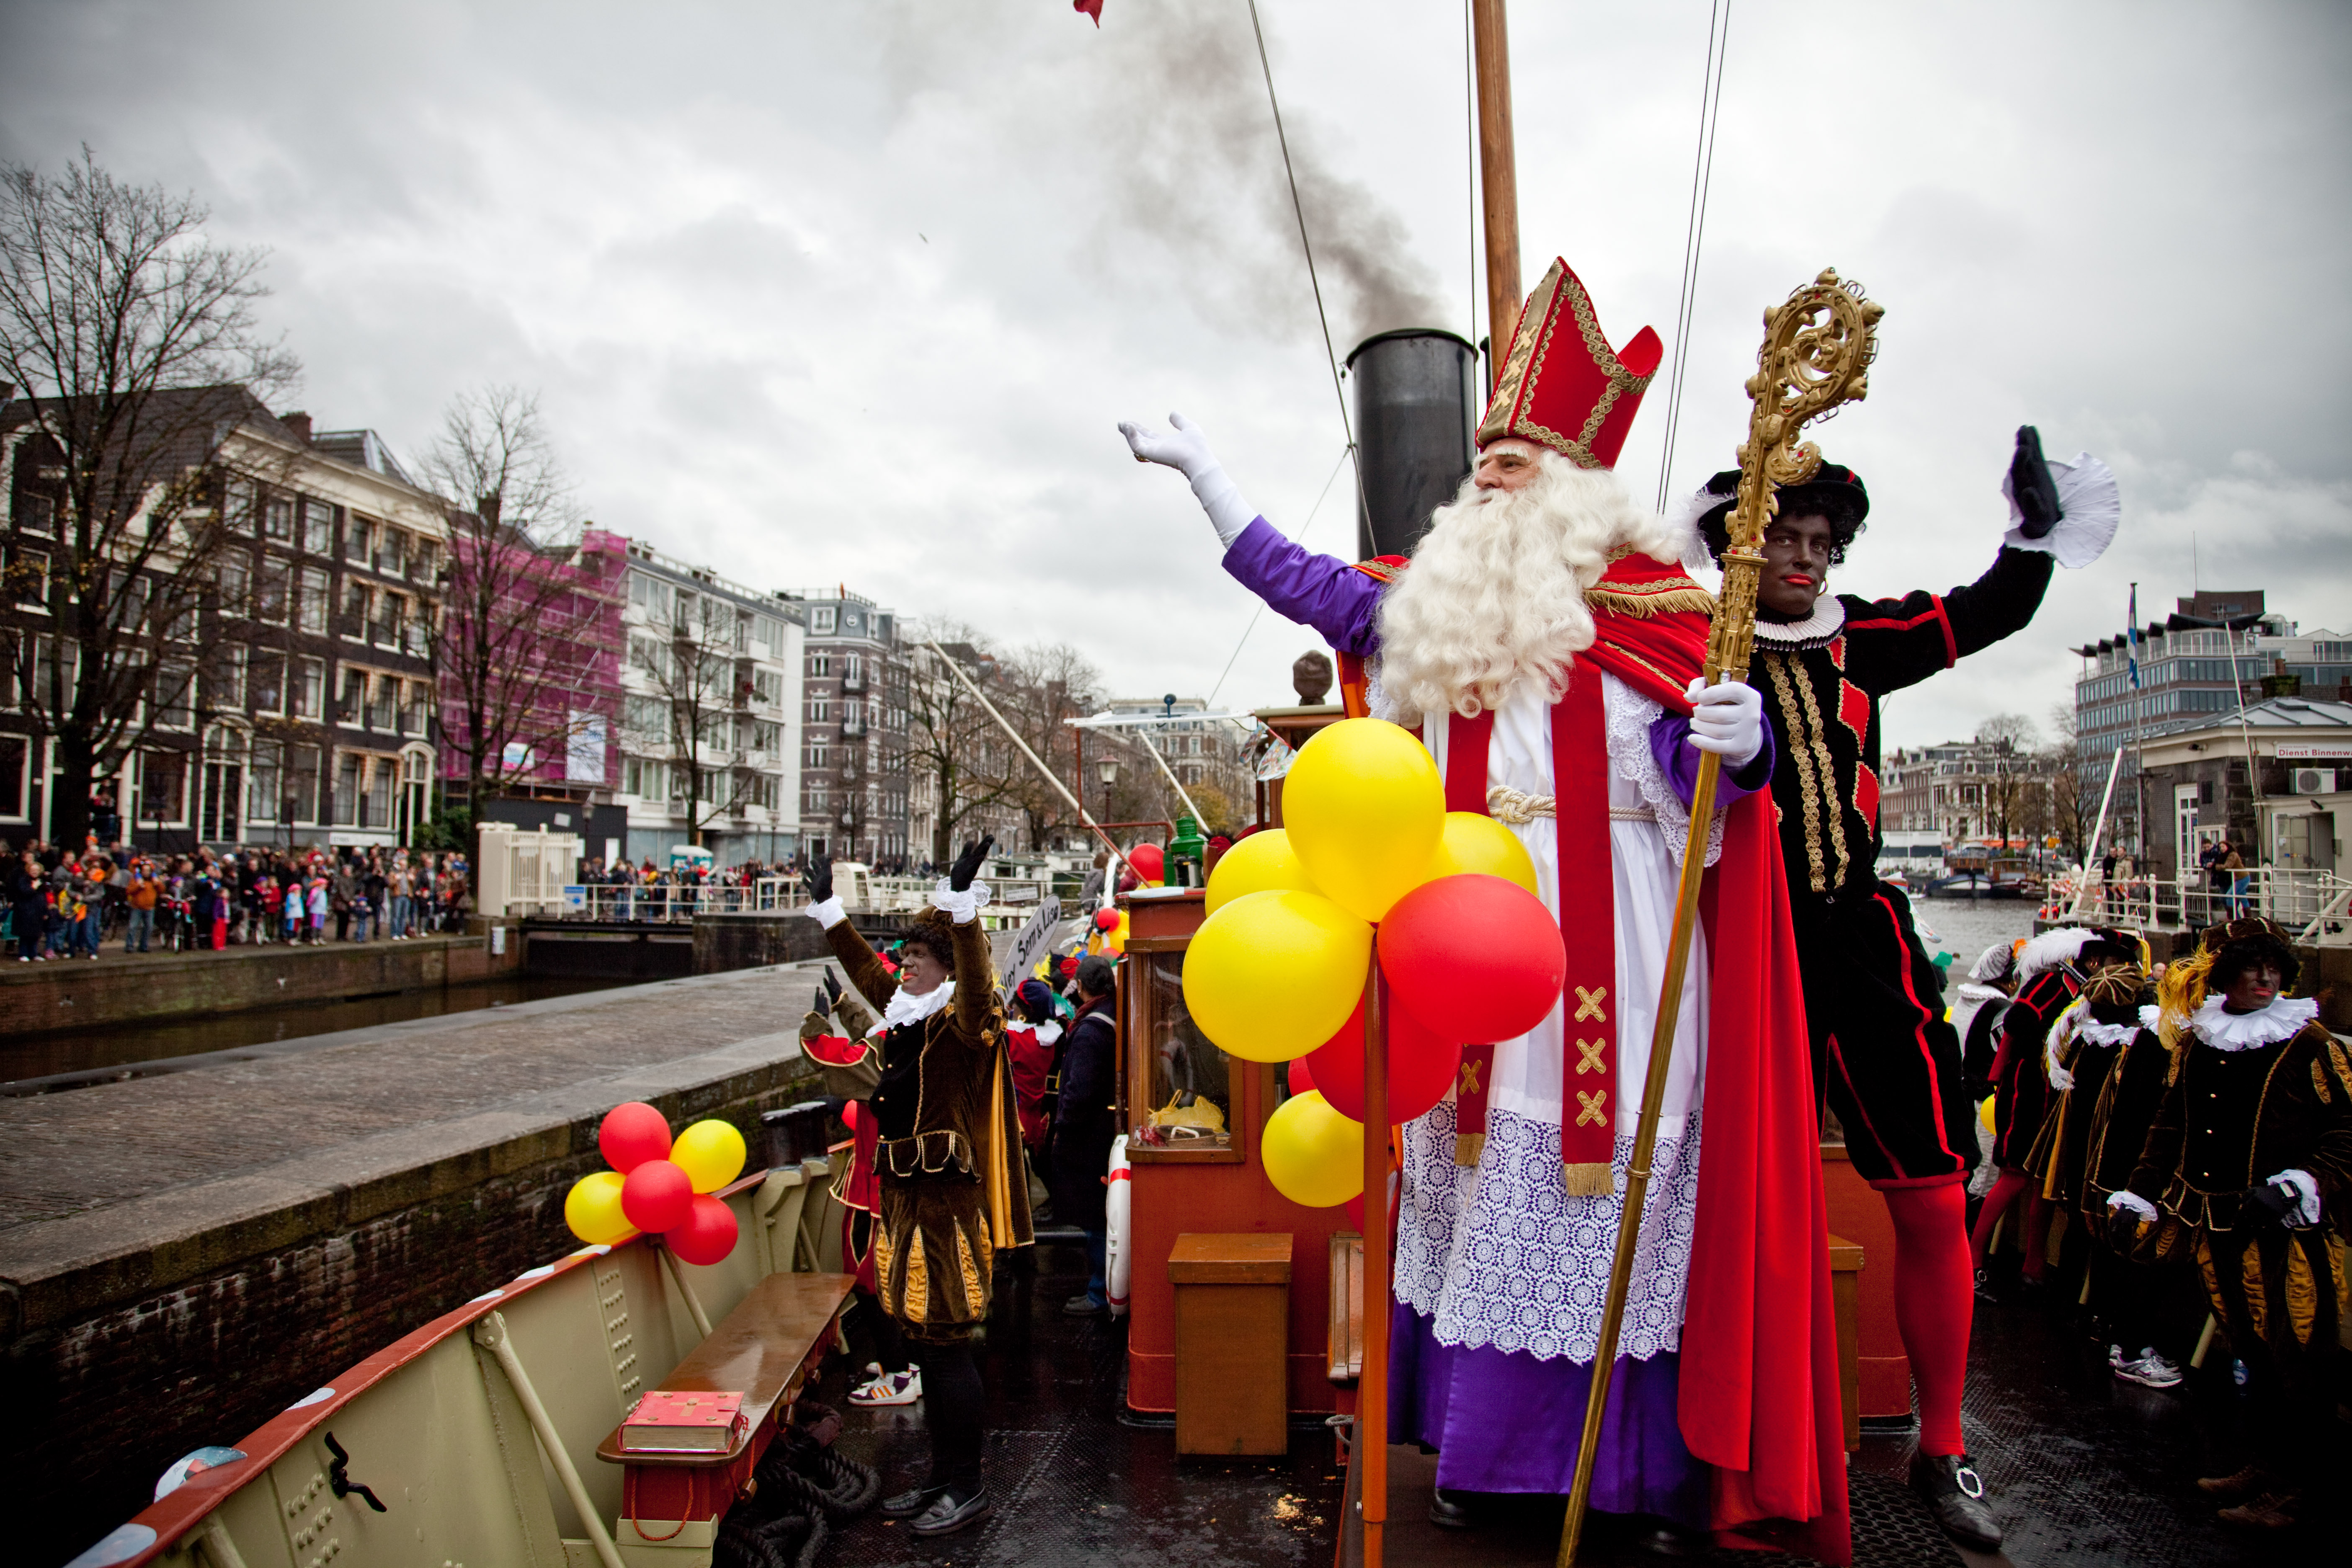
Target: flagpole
x: 1816, y: 355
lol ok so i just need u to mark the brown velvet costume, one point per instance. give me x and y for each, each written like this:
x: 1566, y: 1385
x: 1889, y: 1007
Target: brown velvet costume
x: 2273, y: 1286
x: 952, y: 1195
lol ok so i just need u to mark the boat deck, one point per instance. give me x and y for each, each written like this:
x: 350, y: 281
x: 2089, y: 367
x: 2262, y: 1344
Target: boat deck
x: 2088, y: 1472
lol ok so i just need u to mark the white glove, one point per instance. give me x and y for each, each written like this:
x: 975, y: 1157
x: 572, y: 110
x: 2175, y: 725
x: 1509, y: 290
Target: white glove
x: 2133, y: 1202
x: 1726, y: 719
x: 829, y: 913
x: 2301, y: 1186
x: 960, y: 906
x: 1186, y: 449
x: 2087, y: 490
x: 2060, y: 1078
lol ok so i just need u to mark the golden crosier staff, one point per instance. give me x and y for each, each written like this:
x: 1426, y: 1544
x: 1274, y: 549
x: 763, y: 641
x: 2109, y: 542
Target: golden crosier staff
x: 1816, y: 355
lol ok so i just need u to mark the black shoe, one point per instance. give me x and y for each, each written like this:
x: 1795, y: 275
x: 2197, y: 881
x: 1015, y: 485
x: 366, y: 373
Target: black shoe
x: 1985, y: 1291
x: 954, y: 1508
x: 1084, y: 1306
x: 1955, y: 1495
x: 1445, y: 1512
x: 911, y: 1503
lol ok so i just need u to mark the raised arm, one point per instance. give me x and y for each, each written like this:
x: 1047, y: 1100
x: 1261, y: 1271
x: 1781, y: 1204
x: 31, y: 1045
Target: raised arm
x: 1319, y: 590
x: 857, y: 961
x: 975, y: 969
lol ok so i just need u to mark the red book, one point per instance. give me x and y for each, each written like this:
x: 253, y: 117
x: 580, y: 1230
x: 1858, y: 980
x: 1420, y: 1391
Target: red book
x: 670, y: 1423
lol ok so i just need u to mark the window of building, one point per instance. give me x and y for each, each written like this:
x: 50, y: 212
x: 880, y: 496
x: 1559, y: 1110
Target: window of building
x: 649, y: 654
x: 816, y: 800
x: 175, y: 695
x: 237, y: 515
x: 376, y: 803
x: 318, y: 528
x: 224, y: 681
x: 647, y: 718
x: 278, y: 519
x: 264, y: 781
x: 391, y: 614
x: 14, y: 792
x: 392, y: 551
x: 267, y: 678
x: 359, y: 539
x: 412, y: 715
x: 383, y: 704
x: 742, y: 631
x: 424, y: 560
x: 309, y: 691
x: 642, y: 776
x: 349, y: 769
x: 820, y: 665
x: 312, y: 614
x: 820, y: 711
x: 768, y: 686
x: 36, y: 514
x: 767, y: 736
x: 27, y: 574
x: 652, y: 595
x: 821, y: 621
x: 232, y: 584
x: 162, y: 779
x: 358, y: 599
x: 816, y: 756
x: 769, y: 635
x: 353, y: 701
x: 272, y: 587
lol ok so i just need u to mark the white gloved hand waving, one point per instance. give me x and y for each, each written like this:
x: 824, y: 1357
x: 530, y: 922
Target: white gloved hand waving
x: 1185, y: 449
x: 1726, y: 719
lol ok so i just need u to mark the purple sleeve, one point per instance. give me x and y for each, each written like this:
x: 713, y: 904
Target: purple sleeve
x: 1679, y: 762
x: 1319, y: 590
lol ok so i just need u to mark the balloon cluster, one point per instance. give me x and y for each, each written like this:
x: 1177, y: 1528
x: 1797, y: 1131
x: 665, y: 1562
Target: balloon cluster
x: 660, y: 1186
x: 1370, y: 867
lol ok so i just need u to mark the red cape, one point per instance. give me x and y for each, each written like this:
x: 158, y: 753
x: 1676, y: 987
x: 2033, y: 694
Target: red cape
x: 1759, y: 1381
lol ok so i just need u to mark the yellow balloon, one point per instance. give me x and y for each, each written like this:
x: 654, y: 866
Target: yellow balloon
x: 1365, y: 811
x: 1314, y: 1156
x: 710, y: 1154
x: 1984, y: 1114
x: 1272, y: 975
x: 1264, y: 862
x: 1475, y: 843
x: 593, y: 1209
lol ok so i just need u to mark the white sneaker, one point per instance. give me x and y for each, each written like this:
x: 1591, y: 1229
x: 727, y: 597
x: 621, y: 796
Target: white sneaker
x: 2149, y: 1371
x: 892, y: 1388
x: 2115, y: 1357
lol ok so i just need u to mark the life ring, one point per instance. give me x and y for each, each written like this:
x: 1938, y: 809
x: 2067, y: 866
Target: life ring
x: 1118, y: 1242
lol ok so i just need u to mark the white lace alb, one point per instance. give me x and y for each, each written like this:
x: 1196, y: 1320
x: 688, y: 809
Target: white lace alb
x: 1503, y: 1257
x: 1630, y: 716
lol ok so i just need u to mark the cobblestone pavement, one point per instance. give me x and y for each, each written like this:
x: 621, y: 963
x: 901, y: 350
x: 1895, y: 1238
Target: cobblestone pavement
x: 112, y: 1144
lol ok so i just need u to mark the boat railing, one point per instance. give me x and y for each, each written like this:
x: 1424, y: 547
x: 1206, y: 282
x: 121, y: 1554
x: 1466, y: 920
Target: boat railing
x: 478, y: 1431
x: 1011, y: 899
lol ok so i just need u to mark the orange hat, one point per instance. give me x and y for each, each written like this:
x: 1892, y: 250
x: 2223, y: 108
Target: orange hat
x: 1562, y: 384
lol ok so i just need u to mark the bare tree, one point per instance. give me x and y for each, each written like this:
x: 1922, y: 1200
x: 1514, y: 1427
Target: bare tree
x: 516, y: 641
x: 692, y: 715
x: 1043, y: 686
x: 136, y: 343
x: 2073, y: 794
x: 2014, y: 773
x: 973, y: 770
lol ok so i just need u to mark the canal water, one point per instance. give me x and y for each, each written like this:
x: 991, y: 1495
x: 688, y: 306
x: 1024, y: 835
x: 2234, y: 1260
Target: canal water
x: 71, y: 1050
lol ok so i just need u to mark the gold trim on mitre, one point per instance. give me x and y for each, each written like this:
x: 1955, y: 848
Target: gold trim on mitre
x: 1531, y: 340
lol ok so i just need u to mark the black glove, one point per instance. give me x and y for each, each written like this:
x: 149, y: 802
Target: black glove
x: 967, y: 865
x: 2270, y: 1203
x: 830, y: 998
x: 818, y: 880
x: 2030, y: 482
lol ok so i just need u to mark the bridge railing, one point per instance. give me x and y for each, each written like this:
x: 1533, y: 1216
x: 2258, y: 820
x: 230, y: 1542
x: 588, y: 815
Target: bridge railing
x: 1012, y: 899
x: 2315, y: 907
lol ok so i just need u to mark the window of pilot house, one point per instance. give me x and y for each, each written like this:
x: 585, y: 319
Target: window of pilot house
x: 318, y: 528
x: 278, y: 518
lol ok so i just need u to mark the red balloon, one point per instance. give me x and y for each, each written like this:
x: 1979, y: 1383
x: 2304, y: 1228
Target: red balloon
x: 630, y: 1134
x: 1472, y: 956
x: 657, y: 1196
x: 1106, y: 920
x: 706, y: 1237
x: 1148, y: 861
x: 1302, y: 1076
x: 1421, y: 1066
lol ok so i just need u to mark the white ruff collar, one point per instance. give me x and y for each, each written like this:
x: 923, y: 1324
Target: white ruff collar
x: 2226, y: 1031
x: 909, y: 1009
x: 2100, y: 1034
x: 1829, y: 614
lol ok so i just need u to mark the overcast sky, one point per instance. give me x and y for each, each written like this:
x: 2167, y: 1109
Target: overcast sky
x: 855, y: 292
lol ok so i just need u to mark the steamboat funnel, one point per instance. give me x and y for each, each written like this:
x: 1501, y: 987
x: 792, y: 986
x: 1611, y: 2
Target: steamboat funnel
x: 1416, y: 402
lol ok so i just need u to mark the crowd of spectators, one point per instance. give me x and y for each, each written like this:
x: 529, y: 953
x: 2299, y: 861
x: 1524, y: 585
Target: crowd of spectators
x: 64, y: 904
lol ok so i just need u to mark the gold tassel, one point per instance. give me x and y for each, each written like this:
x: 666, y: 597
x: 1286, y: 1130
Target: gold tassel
x: 1590, y: 1180
x: 1467, y: 1147
x: 1687, y: 599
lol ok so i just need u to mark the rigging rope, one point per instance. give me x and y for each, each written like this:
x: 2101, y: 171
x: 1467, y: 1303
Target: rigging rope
x: 1344, y: 453
x: 1710, y: 106
x: 1470, y: 161
x: 1298, y: 209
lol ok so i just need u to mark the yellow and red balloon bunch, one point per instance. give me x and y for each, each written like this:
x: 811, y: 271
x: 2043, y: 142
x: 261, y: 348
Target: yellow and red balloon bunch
x: 1370, y: 865
x: 660, y: 1186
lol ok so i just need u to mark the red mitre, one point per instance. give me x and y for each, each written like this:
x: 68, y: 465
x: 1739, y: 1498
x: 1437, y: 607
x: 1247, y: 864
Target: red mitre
x: 1561, y: 383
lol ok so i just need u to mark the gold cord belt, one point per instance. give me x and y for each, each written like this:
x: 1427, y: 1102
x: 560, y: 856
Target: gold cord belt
x: 1507, y: 804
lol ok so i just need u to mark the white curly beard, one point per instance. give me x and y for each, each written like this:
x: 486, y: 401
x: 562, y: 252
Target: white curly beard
x: 1496, y: 593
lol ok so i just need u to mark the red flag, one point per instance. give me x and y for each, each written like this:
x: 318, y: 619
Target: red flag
x: 1091, y: 8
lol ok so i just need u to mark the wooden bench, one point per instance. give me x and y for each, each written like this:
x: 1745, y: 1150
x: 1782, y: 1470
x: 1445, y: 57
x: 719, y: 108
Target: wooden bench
x: 765, y: 1350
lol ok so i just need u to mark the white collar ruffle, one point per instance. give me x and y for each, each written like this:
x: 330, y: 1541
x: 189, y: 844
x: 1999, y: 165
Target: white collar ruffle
x: 2227, y: 1031
x: 905, y: 1008
x: 2100, y: 1034
x: 1824, y: 622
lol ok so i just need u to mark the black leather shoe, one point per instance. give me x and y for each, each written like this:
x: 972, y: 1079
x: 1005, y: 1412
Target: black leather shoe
x: 911, y: 1503
x: 1445, y: 1512
x: 1659, y: 1539
x: 954, y: 1508
x: 1083, y: 1306
x: 1955, y: 1495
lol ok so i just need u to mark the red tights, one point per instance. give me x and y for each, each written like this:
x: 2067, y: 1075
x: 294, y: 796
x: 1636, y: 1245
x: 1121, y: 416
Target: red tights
x: 1933, y: 1296
x: 2007, y: 1188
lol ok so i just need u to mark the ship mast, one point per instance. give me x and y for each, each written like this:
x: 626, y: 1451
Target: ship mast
x: 1498, y: 178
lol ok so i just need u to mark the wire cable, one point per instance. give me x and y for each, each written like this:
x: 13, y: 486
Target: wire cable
x: 1710, y: 107
x: 1345, y: 452
x: 1298, y: 209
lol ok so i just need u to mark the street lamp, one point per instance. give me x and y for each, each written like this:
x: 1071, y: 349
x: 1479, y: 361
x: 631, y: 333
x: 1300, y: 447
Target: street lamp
x: 1108, y: 769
